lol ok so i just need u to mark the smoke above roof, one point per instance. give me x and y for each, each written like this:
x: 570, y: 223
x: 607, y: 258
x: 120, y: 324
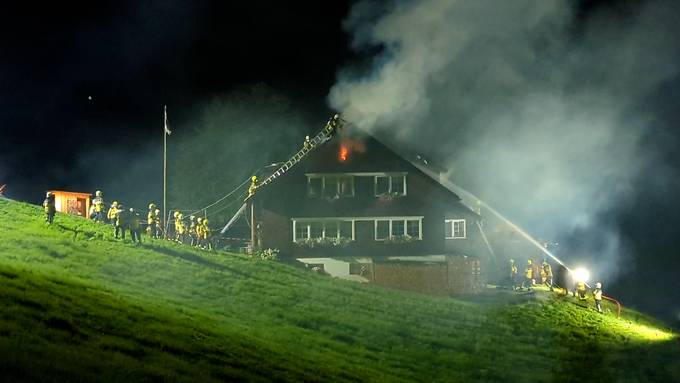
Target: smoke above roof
x: 538, y: 109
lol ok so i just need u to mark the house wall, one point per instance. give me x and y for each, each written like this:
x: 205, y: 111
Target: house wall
x: 287, y: 198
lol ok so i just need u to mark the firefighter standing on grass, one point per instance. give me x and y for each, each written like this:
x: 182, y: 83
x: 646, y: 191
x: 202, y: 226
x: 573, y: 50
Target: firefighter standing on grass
x: 180, y: 229
x: 199, y: 231
x: 528, y: 275
x: 580, y: 289
x: 49, y: 207
x: 151, y: 223
x: 206, y: 234
x: 547, y: 270
x: 122, y: 221
x: 597, y: 294
x: 135, y: 226
x: 193, y: 234
x: 111, y: 214
x: 513, y: 275
x: 98, y: 203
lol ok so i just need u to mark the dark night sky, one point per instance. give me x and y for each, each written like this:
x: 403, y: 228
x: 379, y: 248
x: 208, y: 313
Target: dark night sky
x: 132, y: 57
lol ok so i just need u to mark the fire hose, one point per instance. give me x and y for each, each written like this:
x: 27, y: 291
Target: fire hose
x: 618, y: 304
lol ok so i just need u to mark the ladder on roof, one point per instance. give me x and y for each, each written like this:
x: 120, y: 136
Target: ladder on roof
x: 324, y: 135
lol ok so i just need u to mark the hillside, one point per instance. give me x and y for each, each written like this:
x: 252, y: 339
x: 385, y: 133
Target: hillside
x: 78, y: 305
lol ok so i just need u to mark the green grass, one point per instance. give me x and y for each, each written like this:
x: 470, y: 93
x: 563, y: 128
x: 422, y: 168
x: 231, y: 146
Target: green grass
x: 77, y: 305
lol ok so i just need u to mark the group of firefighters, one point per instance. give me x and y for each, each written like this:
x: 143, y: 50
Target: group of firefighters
x: 196, y: 233
x: 580, y: 288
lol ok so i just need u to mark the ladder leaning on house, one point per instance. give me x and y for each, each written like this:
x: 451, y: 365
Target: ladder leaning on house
x: 324, y: 135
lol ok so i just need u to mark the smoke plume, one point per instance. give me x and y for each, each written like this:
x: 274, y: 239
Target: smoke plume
x: 538, y: 109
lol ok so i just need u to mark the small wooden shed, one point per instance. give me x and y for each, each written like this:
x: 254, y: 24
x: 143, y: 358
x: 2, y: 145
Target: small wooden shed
x: 73, y: 203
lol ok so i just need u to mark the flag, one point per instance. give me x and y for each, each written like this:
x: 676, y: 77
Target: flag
x: 165, y: 121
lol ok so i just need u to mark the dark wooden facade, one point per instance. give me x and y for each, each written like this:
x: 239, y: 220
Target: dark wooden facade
x: 353, y: 188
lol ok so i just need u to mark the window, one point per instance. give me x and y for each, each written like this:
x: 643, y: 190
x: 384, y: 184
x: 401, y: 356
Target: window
x: 390, y: 185
x: 398, y: 228
x: 345, y: 229
x: 395, y: 228
x: 314, y: 186
x: 323, y: 228
x: 330, y: 186
x: 455, y: 228
x: 413, y: 228
x: 382, y: 230
x: 301, y: 230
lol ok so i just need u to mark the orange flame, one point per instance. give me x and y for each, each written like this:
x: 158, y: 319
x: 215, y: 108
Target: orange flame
x: 344, y: 152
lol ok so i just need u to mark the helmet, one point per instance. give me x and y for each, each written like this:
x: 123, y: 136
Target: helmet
x: 98, y: 193
x: 192, y: 217
x: 199, y: 219
x: 114, y: 204
x: 528, y: 261
x: 152, y: 206
x: 598, y: 285
x: 307, y: 137
x: 176, y: 214
x: 205, y: 221
x: 512, y: 261
x: 49, y: 194
x: 253, y: 178
x: 157, y: 211
x: 132, y: 210
x: 180, y: 216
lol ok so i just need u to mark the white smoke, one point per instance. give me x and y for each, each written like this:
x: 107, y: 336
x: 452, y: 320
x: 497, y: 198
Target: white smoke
x: 537, y: 110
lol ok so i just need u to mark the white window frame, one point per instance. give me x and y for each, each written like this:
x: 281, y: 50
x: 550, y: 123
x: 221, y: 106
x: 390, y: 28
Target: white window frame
x: 389, y: 177
x: 402, y: 219
x: 323, y: 178
x: 323, y: 222
x: 452, y: 223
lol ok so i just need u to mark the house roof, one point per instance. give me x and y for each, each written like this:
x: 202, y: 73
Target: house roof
x: 76, y: 194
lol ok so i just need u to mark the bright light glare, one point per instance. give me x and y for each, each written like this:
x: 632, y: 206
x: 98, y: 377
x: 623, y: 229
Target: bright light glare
x: 580, y: 275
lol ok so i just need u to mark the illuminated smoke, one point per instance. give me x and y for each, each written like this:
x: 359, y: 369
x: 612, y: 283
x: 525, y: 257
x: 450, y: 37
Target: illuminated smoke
x: 539, y: 112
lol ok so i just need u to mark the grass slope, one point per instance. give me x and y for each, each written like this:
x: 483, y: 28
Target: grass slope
x: 77, y: 305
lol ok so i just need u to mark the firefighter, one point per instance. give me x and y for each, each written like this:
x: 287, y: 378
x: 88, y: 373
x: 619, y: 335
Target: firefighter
x: 111, y: 214
x: 528, y: 275
x: 193, y: 233
x: 135, y: 226
x: 206, y: 235
x: 151, y: 219
x: 597, y: 294
x: 308, y: 143
x: 98, y: 203
x: 180, y: 228
x: 253, y: 186
x: 199, y: 231
x: 159, y: 223
x: 332, y: 124
x: 547, y: 270
x: 513, y: 275
x: 49, y: 207
x: 580, y: 289
x: 122, y: 221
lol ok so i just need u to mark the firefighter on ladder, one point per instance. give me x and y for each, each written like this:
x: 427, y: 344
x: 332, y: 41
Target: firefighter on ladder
x: 332, y: 125
x: 308, y: 143
x: 49, y: 207
x: 253, y: 186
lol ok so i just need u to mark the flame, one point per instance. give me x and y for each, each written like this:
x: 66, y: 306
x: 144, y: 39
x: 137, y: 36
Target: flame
x: 344, y: 152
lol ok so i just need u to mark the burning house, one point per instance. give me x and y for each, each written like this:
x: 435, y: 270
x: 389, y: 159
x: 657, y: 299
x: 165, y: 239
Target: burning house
x: 355, y: 197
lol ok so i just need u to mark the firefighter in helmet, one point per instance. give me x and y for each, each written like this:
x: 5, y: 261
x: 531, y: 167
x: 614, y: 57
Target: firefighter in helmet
x: 158, y: 229
x: 135, y: 226
x: 122, y: 221
x: 199, y: 231
x: 193, y: 235
x: 597, y: 294
x: 528, y: 275
x: 512, y: 278
x: 580, y: 289
x: 547, y: 271
x: 151, y: 221
x: 206, y: 235
x: 308, y: 143
x: 98, y: 203
x: 253, y: 186
x: 49, y: 207
x: 180, y: 228
x: 111, y: 214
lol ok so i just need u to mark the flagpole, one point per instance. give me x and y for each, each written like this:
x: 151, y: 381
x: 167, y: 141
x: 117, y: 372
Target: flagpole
x: 165, y: 165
